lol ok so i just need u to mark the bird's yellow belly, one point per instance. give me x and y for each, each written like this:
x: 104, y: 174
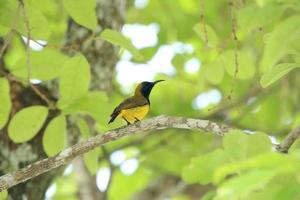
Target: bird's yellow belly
x: 134, y: 114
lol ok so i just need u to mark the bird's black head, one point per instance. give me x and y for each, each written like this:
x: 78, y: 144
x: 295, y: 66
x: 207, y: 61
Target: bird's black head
x: 144, y: 88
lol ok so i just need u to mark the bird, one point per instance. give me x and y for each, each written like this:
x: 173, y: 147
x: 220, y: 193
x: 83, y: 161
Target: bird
x: 135, y: 108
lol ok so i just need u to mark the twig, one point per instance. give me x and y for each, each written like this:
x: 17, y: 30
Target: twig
x: 253, y: 93
x: 233, y: 29
x: 73, y: 47
x: 27, y: 26
x: 202, y: 19
x: 234, y: 24
x: 50, y: 103
x: 289, y: 140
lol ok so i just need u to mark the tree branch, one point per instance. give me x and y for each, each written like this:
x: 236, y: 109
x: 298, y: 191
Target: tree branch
x: 156, y: 123
x: 67, y: 155
x: 289, y: 140
x: 28, y: 37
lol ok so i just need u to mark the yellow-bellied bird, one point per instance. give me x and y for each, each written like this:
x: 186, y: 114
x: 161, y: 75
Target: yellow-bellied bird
x: 136, y: 107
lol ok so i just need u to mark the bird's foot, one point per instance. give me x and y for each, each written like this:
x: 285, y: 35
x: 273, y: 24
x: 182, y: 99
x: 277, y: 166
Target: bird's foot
x: 136, y: 120
x: 128, y: 123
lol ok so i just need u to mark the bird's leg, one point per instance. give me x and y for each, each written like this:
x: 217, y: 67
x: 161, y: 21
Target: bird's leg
x: 136, y: 120
x: 128, y: 123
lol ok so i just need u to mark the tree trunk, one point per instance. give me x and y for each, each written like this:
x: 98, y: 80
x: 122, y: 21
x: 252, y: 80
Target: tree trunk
x: 102, y: 55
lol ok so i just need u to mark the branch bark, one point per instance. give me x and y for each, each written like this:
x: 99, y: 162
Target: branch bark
x: 156, y: 123
x: 289, y: 140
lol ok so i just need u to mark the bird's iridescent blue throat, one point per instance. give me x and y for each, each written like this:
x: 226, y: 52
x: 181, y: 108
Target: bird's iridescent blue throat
x: 147, y: 87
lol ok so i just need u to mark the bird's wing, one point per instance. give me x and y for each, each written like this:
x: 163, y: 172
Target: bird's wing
x: 129, y: 103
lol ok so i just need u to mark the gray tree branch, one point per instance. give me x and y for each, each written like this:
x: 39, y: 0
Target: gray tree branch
x: 67, y: 155
x: 289, y: 140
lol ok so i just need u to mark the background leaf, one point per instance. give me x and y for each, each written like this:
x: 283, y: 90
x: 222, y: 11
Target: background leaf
x: 239, y: 187
x: 262, y: 161
x: 117, y: 38
x: 201, y: 169
x: 214, y: 72
x: 26, y: 123
x: 38, y: 23
x: 276, y: 72
x: 5, y: 104
x: 3, y: 195
x: 84, y: 128
x: 74, y: 80
x: 54, y: 138
x: 91, y: 159
x: 240, y: 146
x: 45, y: 65
x: 246, y: 69
x: 93, y: 103
x: 82, y: 11
x: 279, y: 40
x: 210, y: 33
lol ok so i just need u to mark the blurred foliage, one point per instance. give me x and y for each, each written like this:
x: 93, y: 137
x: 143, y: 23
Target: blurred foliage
x: 249, y: 52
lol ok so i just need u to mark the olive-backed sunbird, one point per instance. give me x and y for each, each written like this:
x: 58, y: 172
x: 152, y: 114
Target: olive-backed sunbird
x: 136, y: 107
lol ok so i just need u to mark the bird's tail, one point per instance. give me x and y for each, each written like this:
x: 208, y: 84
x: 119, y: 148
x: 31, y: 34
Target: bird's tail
x: 113, y: 117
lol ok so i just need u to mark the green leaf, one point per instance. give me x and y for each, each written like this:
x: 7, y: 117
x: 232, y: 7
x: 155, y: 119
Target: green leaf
x: 82, y: 11
x: 7, y: 14
x: 280, y: 188
x: 262, y: 161
x: 16, y: 51
x: 38, y: 23
x: 117, y: 38
x: 5, y: 104
x: 178, y: 62
x: 48, y: 7
x: 67, y: 189
x: 202, y: 168
x: 246, y: 68
x: 3, y: 195
x: 45, y: 65
x: 207, y: 32
x: 3, y: 30
x: 26, y: 123
x: 296, y: 58
x: 138, y: 181
x: 74, y: 80
x: 91, y: 160
x: 147, y: 54
x: 239, y: 187
x: 54, y: 139
x: 210, y: 195
x: 240, y: 146
x: 84, y: 128
x: 276, y: 72
x: 264, y: 15
x: 93, y: 103
x: 279, y: 41
x: 213, y: 72
x: 170, y: 162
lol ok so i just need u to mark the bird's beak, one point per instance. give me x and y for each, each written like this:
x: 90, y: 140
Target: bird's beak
x: 157, y: 81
